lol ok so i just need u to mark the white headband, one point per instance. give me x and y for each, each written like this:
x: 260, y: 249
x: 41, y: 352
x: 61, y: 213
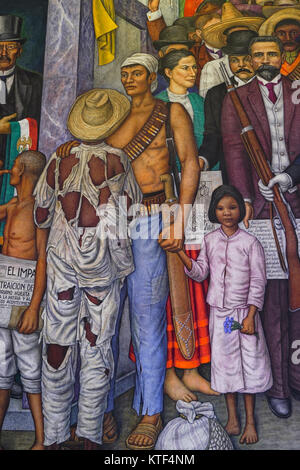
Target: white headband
x: 148, y: 61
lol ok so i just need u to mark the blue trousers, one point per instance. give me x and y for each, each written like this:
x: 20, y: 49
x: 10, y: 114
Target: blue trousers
x: 148, y: 290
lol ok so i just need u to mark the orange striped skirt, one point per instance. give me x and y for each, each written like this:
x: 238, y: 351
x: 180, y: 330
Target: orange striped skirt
x: 200, y: 309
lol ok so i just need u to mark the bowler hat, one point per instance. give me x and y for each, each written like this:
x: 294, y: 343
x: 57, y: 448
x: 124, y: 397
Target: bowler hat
x: 238, y: 42
x: 172, y: 35
x: 10, y: 28
x: 188, y: 22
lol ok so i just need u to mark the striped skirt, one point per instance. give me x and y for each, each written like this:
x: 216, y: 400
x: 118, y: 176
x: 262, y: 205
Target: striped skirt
x: 200, y: 309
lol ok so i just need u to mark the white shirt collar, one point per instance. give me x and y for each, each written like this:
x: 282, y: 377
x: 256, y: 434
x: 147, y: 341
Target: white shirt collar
x: 275, y: 80
x: 176, y: 95
x: 241, y: 82
x: 7, y: 72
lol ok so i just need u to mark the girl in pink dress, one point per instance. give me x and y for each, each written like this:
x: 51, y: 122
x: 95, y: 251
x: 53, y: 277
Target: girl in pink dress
x: 235, y: 262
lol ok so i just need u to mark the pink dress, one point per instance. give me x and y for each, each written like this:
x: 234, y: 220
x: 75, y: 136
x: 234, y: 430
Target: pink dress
x: 236, y: 265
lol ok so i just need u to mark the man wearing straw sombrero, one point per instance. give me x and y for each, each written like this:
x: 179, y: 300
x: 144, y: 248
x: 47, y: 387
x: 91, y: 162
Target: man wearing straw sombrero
x: 283, y: 21
x: 216, y: 35
x: 87, y: 262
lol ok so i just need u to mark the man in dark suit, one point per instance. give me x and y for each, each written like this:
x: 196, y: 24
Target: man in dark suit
x: 211, y: 149
x: 20, y: 93
x: 20, y: 89
x: 275, y: 118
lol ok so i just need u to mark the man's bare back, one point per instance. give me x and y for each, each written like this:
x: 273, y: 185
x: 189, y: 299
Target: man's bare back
x: 70, y: 202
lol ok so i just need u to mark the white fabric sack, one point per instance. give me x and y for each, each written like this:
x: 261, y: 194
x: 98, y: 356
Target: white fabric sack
x: 197, y: 428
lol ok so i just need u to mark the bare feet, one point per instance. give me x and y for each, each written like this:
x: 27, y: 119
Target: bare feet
x: 176, y: 389
x: 38, y: 446
x: 193, y: 380
x: 145, y: 435
x: 249, y: 435
x: 233, y: 428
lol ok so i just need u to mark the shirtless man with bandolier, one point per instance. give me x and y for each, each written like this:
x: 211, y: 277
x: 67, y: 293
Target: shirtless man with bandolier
x: 143, y: 138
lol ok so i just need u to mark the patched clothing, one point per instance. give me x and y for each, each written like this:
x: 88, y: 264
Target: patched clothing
x: 87, y: 261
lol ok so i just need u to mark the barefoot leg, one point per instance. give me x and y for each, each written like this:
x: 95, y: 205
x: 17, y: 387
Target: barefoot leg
x: 193, y: 381
x: 4, y: 403
x: 35, y: 404
x: 249, y: 435
x: 176, y: 389
x: 232, y: 426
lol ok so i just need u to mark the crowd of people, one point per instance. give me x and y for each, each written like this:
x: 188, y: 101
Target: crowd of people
x: 122, y: 149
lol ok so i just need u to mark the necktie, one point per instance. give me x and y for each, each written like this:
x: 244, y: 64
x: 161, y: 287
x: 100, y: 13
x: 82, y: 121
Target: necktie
x: 272, y: 94
x: 3, y: 93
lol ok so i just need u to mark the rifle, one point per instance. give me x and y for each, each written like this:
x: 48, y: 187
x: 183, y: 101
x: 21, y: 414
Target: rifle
x: 261, y: 165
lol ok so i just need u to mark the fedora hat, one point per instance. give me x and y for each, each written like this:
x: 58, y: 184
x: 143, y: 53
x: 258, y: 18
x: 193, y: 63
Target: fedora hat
x: 188, y: 22
x: 172, y: 35
x: 279, y: 5
x: 97, y: 114
x: 231, y: 17
x: 10, y: 28
x: 238, y: 42
x: 269, y: 25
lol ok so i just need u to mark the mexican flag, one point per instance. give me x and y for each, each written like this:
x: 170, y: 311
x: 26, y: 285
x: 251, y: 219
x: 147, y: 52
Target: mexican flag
x: 188, y: 7
x: 23, y: 136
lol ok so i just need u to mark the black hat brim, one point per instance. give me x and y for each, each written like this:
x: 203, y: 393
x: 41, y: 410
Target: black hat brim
x: 242, y: 50
x: 161, y: 43
x: 12, y: 39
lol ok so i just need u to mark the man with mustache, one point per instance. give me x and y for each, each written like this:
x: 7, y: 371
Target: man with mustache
x: 20, y: 89
x: 211, y: 150
x: 285, y: 25
x: 275, y: 117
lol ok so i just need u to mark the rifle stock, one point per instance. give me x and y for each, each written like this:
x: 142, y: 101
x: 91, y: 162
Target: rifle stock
x: 260, y: 163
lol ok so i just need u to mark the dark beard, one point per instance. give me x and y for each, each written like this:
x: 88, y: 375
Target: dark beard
x: 267, y: 72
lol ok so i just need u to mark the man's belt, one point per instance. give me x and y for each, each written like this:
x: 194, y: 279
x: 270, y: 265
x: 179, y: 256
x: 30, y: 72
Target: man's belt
x: 151, y: 203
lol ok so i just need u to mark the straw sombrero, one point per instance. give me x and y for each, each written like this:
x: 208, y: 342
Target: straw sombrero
x: 230, y: 18
x: 268, y: 26
x: 97, y: 114
x: 279, y: 5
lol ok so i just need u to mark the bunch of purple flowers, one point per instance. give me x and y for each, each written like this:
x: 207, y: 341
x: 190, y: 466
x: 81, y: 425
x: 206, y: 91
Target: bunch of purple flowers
x: 230, y: 325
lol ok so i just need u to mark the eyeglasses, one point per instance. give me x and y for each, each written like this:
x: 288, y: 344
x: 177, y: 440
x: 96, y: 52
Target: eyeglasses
x: 9, y: 47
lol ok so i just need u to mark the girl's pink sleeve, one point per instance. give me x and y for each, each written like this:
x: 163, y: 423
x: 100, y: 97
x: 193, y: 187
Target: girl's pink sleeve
x: 200, y: 267
x: 258, y: 278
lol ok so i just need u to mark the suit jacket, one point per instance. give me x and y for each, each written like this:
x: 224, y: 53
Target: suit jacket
x: 24, y: 99
x: 212, y: 145
x: 294, y: 170
x: 241, y: 172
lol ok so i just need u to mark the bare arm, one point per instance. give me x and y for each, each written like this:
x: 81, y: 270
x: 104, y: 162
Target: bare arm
x: 4, y: 207
x: 186, y: 147
x: 29, y: 321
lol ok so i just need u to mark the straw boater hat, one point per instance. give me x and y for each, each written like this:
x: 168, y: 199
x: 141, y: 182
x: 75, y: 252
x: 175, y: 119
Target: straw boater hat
x: 269, y: 25
x: 279, y: 5
x: 231, y: 17
x: 97, y: 114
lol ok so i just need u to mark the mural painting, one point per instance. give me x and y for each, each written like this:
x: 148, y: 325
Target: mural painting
x: 149, y: 208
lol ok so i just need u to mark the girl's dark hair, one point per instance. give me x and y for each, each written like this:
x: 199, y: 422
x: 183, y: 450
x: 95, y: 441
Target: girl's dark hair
x: 171, y: 60
x: 218, y: 194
